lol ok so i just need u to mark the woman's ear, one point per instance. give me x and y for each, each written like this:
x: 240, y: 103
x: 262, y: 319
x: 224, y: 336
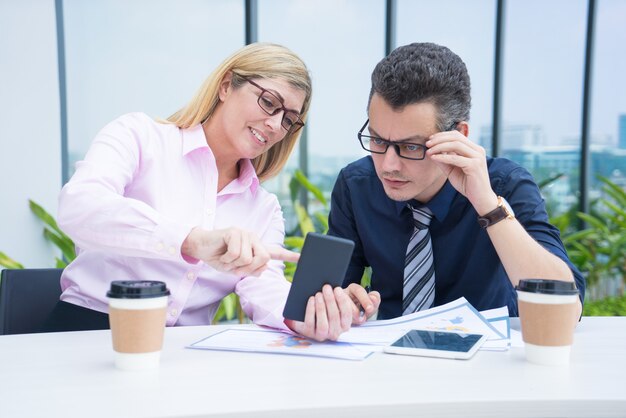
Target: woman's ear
x: 226, y: 85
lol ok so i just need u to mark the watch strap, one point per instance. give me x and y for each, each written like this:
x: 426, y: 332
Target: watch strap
x: 496, y: 215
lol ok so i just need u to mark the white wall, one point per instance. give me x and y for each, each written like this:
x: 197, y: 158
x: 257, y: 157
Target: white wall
x: 30, y: 136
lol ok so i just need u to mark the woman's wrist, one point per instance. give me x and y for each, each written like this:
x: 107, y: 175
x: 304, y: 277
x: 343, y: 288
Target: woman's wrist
x: 190, y: 245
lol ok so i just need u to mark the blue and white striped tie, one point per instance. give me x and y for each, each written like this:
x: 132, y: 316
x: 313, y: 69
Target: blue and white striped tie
x: 419, y: 272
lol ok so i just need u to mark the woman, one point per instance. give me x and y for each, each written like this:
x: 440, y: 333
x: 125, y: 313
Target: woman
x: 180, y: 201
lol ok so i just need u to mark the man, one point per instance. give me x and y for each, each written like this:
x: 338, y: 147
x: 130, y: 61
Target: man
x: 431, y: 214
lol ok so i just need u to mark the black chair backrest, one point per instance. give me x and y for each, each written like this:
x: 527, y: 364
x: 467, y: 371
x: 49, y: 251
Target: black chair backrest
x: 27, y: 297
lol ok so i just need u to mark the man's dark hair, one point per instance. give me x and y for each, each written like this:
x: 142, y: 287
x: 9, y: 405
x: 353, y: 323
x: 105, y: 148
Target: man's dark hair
x: 425, y: 72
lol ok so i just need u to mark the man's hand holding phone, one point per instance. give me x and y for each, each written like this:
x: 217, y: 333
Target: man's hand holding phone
x: 317, y: 307
x: 328, y: 314
x: 331, y: 312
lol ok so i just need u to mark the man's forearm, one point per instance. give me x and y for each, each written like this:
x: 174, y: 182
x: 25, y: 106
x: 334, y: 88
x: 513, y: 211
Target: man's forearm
x: 524, y: 258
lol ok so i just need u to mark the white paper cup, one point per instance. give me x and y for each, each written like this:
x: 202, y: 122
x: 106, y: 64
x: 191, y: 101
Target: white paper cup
x: 547, y: 311
x: 137, y: 312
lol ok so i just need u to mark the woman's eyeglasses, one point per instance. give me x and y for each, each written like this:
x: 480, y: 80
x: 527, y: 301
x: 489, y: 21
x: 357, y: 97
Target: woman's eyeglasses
x: 272, y: 104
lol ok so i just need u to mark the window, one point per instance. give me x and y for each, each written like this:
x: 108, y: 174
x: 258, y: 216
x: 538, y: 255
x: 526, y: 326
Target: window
x: 144, y: 55
x: 542, y: 93
x: 608, y: 107
x: 468, y: 29
x: 341, y: 42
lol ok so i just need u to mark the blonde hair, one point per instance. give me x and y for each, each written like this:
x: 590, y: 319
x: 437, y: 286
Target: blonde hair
x: 263, y: 60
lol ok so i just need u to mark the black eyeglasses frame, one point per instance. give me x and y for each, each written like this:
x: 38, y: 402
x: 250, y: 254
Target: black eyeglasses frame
x: 395, y: 144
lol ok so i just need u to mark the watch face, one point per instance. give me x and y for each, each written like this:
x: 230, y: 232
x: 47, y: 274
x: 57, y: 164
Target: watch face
x: 508, y: 208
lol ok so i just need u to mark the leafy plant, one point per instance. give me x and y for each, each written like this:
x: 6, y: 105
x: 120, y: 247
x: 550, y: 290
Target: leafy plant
x: 599, y: 250
x: 614, y: 306
x: 315, y: 222
x: 53, y: 234
x: 8, y: 262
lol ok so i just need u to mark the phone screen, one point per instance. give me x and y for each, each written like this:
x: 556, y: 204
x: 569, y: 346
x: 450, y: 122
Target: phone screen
x: 438, y: 340
x: 324, y: 259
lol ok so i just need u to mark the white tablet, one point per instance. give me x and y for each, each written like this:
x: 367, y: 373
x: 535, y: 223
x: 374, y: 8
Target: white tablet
x: 445, y: 344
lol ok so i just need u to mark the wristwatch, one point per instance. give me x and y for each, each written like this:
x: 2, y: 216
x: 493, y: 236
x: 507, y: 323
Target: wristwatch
x: 503, y: 211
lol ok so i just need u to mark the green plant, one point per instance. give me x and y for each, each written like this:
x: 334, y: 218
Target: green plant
x: 8, y: 262
x: 52, y: 233
x: 315, y: 222
x: 599, y: 250
x: 614, y: 306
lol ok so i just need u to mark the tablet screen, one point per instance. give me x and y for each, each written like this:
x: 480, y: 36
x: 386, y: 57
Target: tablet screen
x: 438, y: 340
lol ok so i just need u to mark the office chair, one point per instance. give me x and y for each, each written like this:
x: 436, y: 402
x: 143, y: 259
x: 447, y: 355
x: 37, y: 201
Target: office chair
x: 27, y: 297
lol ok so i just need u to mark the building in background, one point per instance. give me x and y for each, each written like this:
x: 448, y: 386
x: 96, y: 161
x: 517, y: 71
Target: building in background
x: 622, y: 132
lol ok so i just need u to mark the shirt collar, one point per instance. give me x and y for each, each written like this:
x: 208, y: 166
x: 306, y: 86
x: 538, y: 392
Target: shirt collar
x: 194, y: 138
x: 439, y: 205
x: 247, y: 176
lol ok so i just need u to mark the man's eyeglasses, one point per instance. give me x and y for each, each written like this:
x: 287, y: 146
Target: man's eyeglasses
x: 272, y: 104
x: 407, y: 150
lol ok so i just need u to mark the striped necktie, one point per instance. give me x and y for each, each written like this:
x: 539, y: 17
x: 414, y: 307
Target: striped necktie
x: 419, y: 272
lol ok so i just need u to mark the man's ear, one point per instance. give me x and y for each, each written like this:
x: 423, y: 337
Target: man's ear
x: 463, y: 127
x: 225, y: 85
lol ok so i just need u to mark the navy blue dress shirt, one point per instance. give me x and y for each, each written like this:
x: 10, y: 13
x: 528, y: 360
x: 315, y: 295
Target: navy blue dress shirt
x: 466, y: 263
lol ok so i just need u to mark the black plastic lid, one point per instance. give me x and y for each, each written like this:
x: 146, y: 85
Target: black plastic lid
x: 137, y: 289
x: 548, y: 287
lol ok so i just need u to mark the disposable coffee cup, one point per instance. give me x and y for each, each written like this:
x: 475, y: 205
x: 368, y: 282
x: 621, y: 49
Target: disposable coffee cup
x: 137, y: 312
x: 547, y: 312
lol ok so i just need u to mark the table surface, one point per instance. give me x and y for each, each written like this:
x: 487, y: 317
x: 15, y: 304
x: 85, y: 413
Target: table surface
x: 72, y: 375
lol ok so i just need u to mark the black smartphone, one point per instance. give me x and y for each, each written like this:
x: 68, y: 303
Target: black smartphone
x: 324, y: 259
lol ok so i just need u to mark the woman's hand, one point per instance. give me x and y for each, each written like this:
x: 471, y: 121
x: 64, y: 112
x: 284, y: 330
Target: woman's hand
x: 233, y: 250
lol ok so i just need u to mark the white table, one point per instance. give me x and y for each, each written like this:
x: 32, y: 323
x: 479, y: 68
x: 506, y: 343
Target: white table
x: 72, y: 375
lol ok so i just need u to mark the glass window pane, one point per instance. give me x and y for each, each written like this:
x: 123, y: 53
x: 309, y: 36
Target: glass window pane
x: 142, y: 55
x: 542, y: 93
x: 468, y: 29
x: 608, y: 107
x: 340, y: 41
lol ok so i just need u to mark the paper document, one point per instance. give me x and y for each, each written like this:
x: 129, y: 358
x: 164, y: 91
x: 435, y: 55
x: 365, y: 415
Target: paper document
x: 499, y: 318
x: 265, y: 341
x: 361, y: 341
x: 458, y: 316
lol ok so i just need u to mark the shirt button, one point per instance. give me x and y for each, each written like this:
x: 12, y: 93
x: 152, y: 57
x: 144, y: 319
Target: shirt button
x: 174, y: 312
x: 171, y: 250
x: 190, y: 275
x: 160, y: 246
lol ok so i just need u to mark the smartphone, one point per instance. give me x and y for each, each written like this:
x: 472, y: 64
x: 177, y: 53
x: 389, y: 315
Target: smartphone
x: 324, y: 259
x: 444, y: 344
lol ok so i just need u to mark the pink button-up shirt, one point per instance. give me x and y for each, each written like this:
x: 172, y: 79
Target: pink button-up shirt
x: 132, y: 202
